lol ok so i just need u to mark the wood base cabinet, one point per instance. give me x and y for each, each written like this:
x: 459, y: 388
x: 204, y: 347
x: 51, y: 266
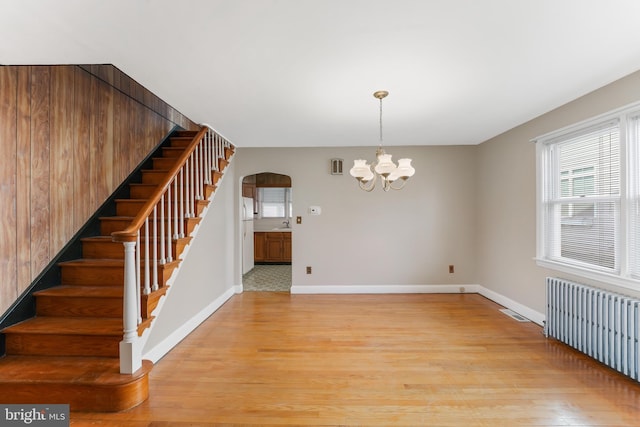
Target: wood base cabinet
x: 270, y: 246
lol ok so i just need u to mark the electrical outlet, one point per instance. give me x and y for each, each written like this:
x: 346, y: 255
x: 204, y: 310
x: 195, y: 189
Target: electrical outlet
x: 308, y: 269
x: 451, y: 269
x: 298, y: 220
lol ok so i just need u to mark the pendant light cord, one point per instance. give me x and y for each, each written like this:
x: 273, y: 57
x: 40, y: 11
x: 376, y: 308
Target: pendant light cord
x: 380, y: 122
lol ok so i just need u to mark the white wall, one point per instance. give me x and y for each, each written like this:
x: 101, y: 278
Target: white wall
x: 206, y: 277
x: 406, y: 237
x: 506, y: 191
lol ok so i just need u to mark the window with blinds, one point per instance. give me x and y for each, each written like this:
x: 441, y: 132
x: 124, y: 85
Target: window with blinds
x: 588, y: 203
x: 275, y: 202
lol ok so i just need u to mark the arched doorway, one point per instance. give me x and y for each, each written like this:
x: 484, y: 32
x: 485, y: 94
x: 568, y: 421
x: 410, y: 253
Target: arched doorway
x: 267, y: 232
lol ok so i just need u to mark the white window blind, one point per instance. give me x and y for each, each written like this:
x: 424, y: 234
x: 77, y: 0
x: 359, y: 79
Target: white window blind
x: 583, y: 199
x: 275, y: 202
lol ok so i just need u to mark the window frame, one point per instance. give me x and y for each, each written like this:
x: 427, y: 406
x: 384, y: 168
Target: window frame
x: 627, y: 237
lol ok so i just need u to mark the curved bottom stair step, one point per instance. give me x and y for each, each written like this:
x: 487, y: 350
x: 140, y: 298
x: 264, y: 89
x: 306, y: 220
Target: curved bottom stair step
x: 92, y: 384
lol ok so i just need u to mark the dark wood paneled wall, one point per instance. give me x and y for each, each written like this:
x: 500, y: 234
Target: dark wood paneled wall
x: 69, y: 135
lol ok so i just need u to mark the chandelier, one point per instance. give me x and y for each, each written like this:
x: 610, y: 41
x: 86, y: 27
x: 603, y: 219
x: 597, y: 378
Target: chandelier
x: 391, y: 176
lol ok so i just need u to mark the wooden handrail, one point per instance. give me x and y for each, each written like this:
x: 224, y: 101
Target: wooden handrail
x: 130, y: 233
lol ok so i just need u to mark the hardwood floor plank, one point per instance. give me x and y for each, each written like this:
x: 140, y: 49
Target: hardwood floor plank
x: 445, y: 360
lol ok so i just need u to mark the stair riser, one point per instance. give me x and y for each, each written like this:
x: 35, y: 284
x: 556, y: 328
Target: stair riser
x: 146, y: 191
x: 115, y: 250
x: 99, y: 250
x: 132, y: 207
x: 153, y: 177
x: 62, y: 345
x: 142, y: 191
x: 59, y: 306
x: 181, y: 142
x: 79, y: 397
x: 163, y: 163
x: 172, y: 151
x: 86, y: 275
x: 110, y: 226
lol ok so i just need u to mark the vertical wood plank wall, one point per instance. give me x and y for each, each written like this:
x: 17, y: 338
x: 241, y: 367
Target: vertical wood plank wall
x: 69, y: 135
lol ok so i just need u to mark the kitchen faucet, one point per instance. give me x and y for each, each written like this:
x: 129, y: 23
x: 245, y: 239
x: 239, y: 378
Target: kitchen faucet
x: 286, y: 224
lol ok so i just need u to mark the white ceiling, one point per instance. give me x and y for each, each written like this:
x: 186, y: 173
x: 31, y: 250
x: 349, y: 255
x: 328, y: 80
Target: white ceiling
x: 302, y: 72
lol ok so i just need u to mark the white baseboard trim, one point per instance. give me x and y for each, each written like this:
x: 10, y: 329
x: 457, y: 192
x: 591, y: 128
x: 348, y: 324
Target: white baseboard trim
x: 385, y: 289
x: 158, y: 352
x: 521, y: 309
x: 529, y: 313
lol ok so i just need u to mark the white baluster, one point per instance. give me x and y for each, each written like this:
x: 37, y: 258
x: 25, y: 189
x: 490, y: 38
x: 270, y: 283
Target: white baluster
x: 147, y: 276
x: 182, y: 215
x: 154, y: 265
x: 163, y: 259
x: 169, y: 224
x: 176, y: 232
x: 196, y: 172
x: 187, y: 188
x: 208, y: 157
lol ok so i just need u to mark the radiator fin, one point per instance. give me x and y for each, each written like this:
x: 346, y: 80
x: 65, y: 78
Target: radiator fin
x: 599, y: 323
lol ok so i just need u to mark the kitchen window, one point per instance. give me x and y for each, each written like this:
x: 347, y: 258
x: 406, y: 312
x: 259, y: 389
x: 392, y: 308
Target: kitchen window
x: 275, y: 202
x: 588, y: 214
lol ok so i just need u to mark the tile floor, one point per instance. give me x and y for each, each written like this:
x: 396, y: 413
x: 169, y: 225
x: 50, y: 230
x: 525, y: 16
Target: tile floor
x: 274, y: 278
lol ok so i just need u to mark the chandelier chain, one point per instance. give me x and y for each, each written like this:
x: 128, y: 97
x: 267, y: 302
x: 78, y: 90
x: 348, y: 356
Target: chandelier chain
x: 381, y: 122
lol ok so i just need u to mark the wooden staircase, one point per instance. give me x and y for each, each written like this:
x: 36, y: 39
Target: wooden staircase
x: 68, y: 352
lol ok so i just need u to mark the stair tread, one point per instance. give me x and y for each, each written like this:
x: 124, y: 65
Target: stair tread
x: 97, y: 238
x: 97, y: 371
x: 100, y: 262
x: 109, y: 239
x: 82, y: 291
x: 68, y: 326
x: 116, y: 218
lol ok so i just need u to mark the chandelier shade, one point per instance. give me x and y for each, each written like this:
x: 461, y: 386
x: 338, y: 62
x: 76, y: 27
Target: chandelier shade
x: 383, y: 168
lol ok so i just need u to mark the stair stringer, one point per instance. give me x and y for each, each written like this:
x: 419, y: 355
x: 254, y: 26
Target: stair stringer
x: 179, y: 311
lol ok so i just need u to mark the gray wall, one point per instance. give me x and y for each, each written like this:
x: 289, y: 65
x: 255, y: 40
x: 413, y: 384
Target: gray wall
x: 506, y: 192
x: 406, y: 237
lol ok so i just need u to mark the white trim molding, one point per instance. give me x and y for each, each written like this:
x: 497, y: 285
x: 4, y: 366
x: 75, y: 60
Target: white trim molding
x: 384, y: 289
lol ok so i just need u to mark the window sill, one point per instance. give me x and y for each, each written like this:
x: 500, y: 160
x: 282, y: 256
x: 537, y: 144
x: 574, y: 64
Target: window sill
x: 600, y: 276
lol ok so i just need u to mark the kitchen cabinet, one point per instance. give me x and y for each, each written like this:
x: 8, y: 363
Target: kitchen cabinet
x: 270, y: 246
x: 249, y: 190
x: 259, y: 239
x: 268, y: 179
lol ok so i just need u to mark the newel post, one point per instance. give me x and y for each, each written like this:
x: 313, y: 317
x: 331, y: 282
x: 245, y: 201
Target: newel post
x: 130, y: 351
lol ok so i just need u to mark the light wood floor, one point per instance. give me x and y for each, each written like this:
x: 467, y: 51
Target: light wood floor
x: 423, y: 360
